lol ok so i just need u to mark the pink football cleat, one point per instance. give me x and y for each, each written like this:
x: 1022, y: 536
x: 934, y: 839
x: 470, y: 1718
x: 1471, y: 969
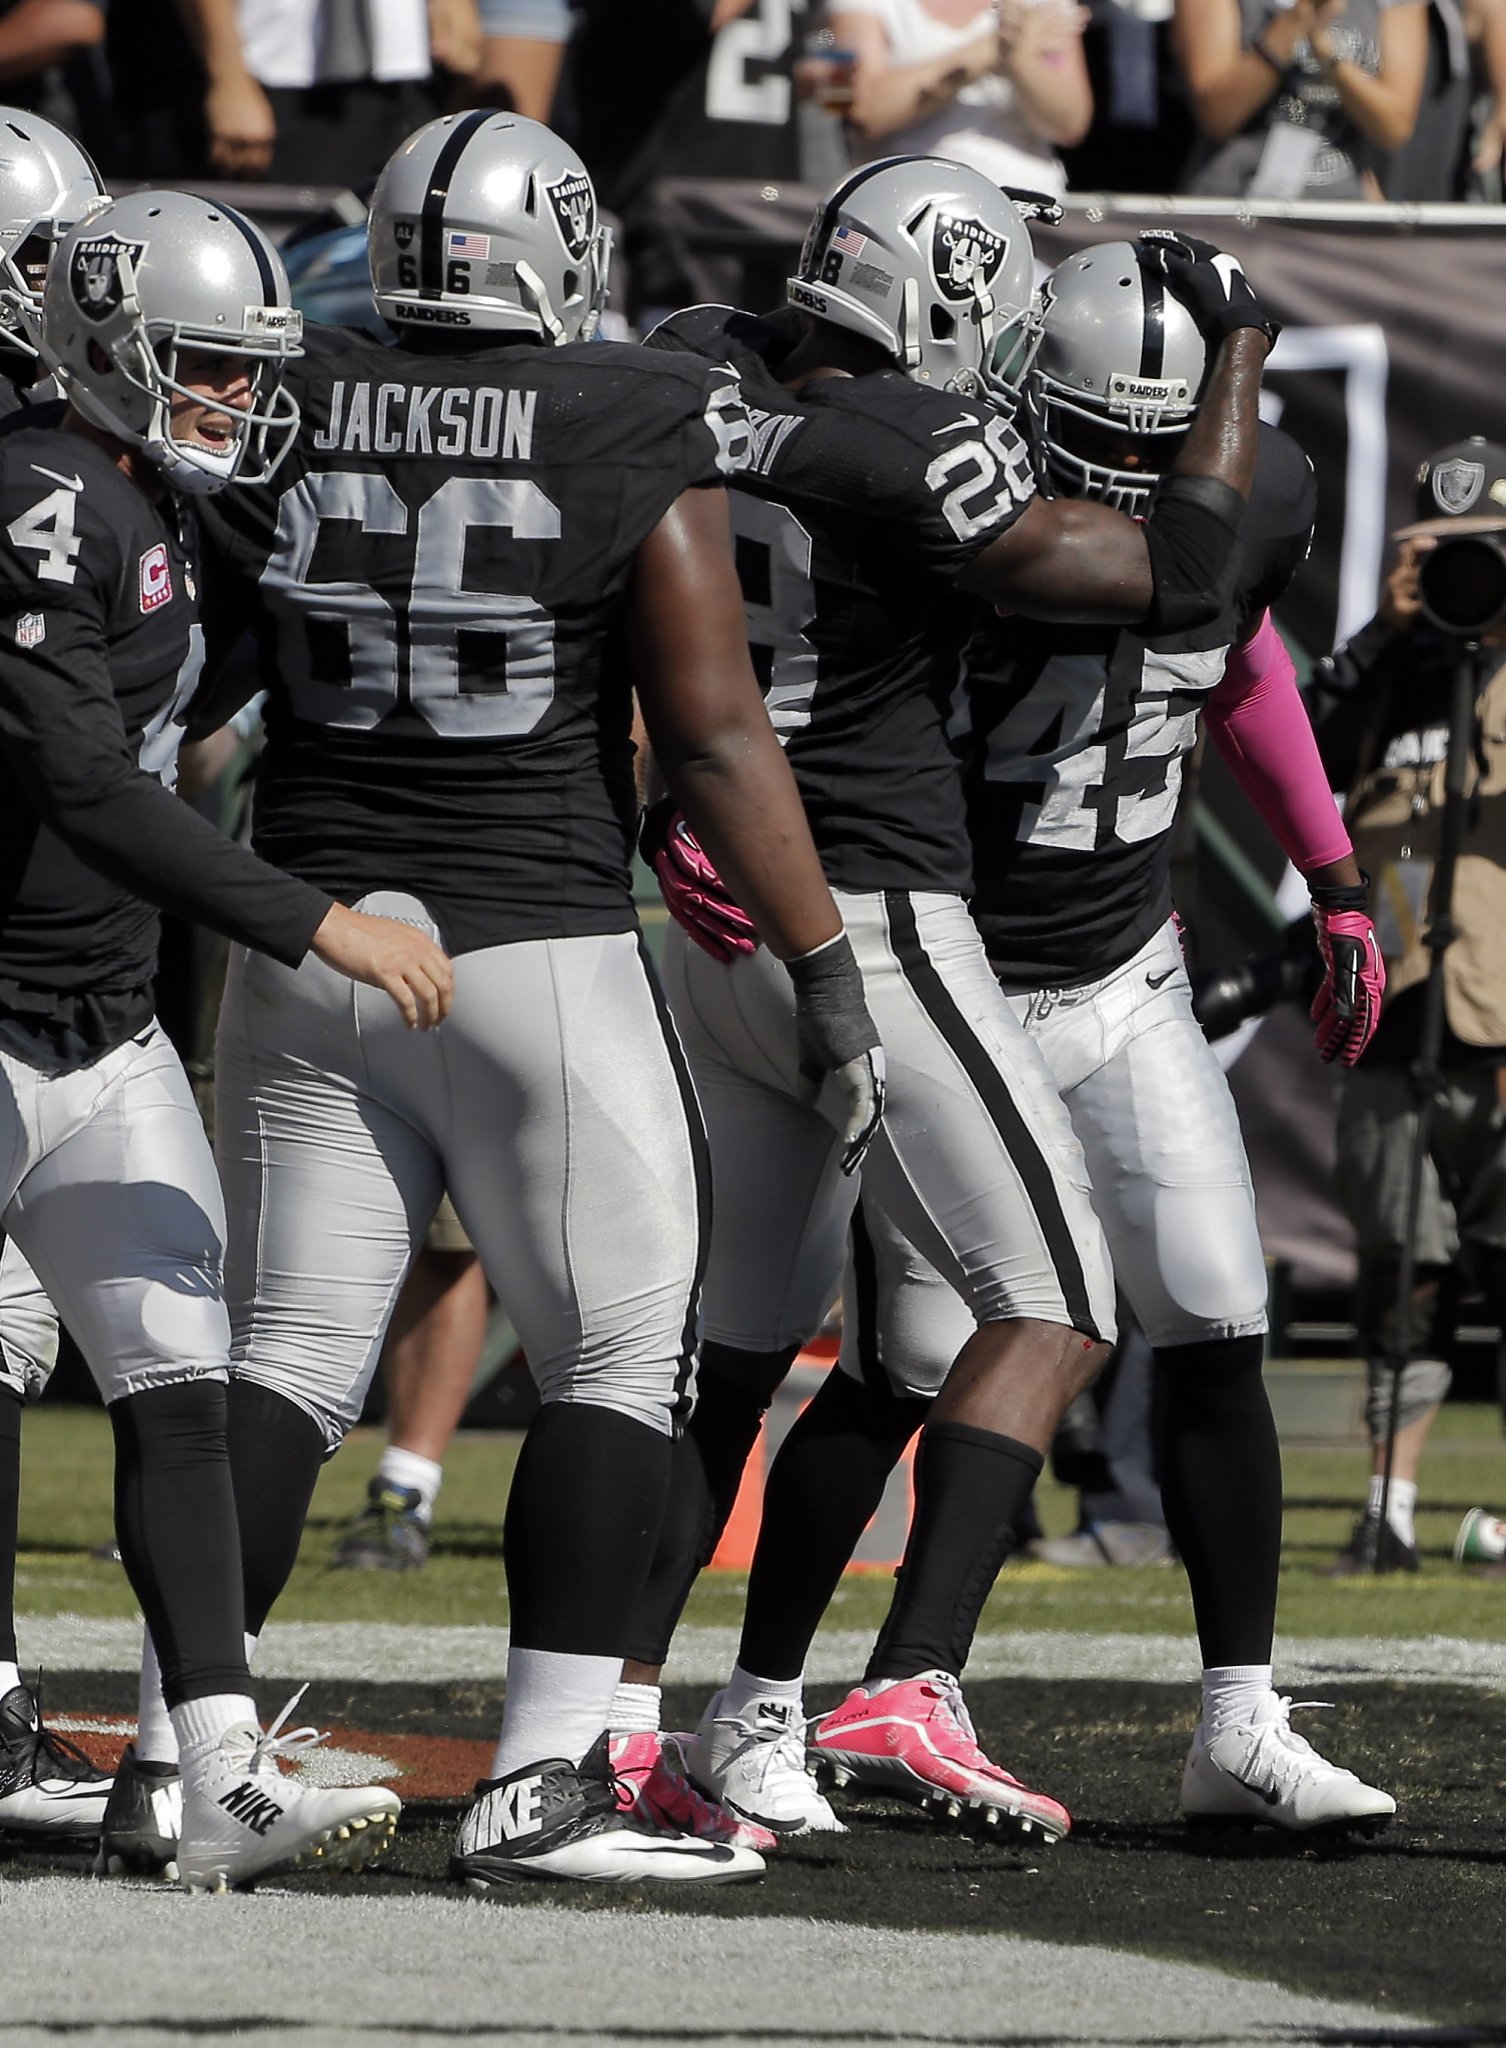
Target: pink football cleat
x: 652, y: 1787
x: 914, y: 1738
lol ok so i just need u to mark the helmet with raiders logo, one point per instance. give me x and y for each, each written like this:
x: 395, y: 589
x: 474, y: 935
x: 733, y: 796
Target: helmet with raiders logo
x: 1116, y: 381
x: 932, y: 262
x: 47, y: 182
x: 144, y: 283
x: 487, y: 222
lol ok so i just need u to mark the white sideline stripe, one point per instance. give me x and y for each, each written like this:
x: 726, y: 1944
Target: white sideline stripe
x: 704, y: 1656
x: 277, y: 1968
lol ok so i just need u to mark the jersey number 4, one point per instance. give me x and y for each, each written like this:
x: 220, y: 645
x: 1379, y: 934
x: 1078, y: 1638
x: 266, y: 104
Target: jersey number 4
x: 48, y: 529
x: 501, y: 700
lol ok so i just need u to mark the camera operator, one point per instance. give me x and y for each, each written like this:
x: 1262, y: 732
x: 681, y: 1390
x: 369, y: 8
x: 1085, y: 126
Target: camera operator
x: 1381, y: 707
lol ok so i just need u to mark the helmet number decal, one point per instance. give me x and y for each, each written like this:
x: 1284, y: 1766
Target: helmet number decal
x: 48, y: 528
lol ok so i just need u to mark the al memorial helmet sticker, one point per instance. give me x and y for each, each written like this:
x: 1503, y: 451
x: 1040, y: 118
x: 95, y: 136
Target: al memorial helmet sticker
x: 95, y: 277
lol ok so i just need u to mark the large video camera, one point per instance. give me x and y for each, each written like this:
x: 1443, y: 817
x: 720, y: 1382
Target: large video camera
x: 1289, y: 973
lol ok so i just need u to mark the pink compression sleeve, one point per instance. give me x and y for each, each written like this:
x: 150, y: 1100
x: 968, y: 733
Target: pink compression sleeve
x: 1258, y: 722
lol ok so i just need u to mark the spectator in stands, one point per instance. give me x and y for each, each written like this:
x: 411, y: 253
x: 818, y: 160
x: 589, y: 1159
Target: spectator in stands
x: 1485, y: 27
x: 318, y: 92
x: 1381, y: 708
x: 999, y: 87
x: 44, y: 49
x: 518, y: 63
x: 1303, y: 101
x: 1431, y: 164
x: 1142, y: 130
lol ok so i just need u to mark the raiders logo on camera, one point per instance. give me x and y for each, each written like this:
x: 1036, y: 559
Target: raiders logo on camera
x: 575, y: 209
x: 95, y: 278
x: 964, y: 254
x: 1456, y: 484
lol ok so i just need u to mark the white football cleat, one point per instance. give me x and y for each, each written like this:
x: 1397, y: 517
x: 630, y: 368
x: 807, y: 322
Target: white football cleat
x: 1262, y: 1773
x: 47, y: 1786
x: 242, y: 1819
x: 754, y: 1764
x: 558, y: 1820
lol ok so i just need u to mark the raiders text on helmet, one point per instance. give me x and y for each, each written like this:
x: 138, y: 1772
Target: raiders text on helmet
x: 929, y: 260
x: 1118, y: 375
x: 488, y: 221
x: 46, y: 184
x: 145, y: 281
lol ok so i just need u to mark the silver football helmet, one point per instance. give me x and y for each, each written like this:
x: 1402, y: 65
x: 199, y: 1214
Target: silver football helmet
x: 47, y: 182
x: 932, y: 262
x: 1116, y: 381
x: 487, y: 222
x: 141, y: 283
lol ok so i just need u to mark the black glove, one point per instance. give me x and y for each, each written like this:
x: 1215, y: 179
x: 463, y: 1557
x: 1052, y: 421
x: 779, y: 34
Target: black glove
x: 840, y: 1059
x: 1208, y: 282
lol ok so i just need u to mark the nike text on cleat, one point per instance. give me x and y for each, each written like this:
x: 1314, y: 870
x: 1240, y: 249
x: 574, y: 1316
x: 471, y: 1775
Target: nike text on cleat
x: 654, y: 1791
x: 556, y: 1820
x: 242, y: 1819
x: 143, y: 1821
x: 913, y: 1737
x: 754, y: 1764
x: 47, y: 1786
x: 1264, y: 1774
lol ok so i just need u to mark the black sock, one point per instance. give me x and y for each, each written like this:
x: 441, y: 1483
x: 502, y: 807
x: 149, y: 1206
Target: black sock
x: 582, y: 1520
x: 276, y: 1453
x: 821, y: 1493
x: 705, y: 1474
x: 175, y: 1523
x: 10, y: 1511
x: 1220, y: 1469
x: 970, y: 1486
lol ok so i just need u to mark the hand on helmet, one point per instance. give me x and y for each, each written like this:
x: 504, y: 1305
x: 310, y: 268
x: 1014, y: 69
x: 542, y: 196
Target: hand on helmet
x: 1207, y: 281
x: 1347, y: 1007
x: 694, y: 893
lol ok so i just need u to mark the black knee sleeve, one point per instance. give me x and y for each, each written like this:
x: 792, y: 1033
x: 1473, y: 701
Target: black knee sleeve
x: 276, y: 1452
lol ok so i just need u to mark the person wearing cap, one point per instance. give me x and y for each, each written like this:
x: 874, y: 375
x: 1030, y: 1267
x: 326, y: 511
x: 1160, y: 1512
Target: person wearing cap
x: 1381, y: 708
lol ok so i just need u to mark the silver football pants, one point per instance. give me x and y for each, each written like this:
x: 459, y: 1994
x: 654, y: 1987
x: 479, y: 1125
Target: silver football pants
x: 555, y: 1106
x: 1160, y: 1133
x: 109, y: 1193
x: 975, y: 1161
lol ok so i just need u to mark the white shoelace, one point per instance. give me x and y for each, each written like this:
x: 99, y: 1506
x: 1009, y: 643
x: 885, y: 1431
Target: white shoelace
x: 1281, y: 1751
x: 274, y: 1743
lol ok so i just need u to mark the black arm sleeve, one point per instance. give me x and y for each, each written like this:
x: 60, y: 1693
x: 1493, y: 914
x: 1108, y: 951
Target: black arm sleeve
x: 61, y: 731
x: 1191, y: 534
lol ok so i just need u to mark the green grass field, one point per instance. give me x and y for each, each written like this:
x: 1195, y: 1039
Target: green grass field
x: 65, y: 1513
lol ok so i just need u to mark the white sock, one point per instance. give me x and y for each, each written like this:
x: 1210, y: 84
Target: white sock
x: 636, y: 1710
x: 156, y: 1737
x: 10, y: 1678
x: 743, y: 1687
x: 1232, y: 1693
x: 199, y: 1724
x: 557, y: 1705
x: 1401, y: 1508
x: 407, y: 1469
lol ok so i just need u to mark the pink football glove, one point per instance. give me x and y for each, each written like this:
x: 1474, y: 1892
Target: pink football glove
x: 696, y: 896
x: 1347, y: 1007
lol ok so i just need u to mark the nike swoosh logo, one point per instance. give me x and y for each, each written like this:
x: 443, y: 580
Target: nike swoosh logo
x: 968, y: 419
x: 1159, y: 980
x: 1228, y: 269
x: 69, y: 483
x: 1266, y: 1792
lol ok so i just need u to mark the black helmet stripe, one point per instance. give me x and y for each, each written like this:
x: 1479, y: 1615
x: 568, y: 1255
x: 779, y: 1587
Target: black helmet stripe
x: 431, y: 227
x: 1153, y: 340
x: 843, y: 193
x: 258, y: 249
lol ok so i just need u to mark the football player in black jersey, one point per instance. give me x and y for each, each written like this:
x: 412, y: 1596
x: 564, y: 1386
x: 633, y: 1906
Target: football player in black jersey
x: 1078, y: 737
x: 47, y: 182
x: 882, y: 493
x: 472, y: 552
x: 167, y: 323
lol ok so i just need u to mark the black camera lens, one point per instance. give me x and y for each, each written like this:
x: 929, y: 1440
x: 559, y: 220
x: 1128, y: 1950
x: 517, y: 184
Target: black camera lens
x: 1461, y: 583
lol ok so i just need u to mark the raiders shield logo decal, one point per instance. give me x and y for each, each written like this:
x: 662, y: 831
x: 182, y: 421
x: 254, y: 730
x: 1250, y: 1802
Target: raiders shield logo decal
x: 1456, y: 484
x: 965, y: 254
x: 574, y: 209
x: 95, y: 276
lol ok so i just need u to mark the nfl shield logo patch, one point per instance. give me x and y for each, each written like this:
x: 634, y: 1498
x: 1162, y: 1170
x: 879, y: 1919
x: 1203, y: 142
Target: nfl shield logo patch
x: 31, y: 631
x: 156, y: 578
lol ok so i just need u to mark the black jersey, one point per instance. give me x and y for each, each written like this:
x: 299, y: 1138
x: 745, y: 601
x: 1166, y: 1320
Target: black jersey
x: 1079, y: 737
x: 434, y: 577
x: 862, y: 501
x: 100, y: 649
